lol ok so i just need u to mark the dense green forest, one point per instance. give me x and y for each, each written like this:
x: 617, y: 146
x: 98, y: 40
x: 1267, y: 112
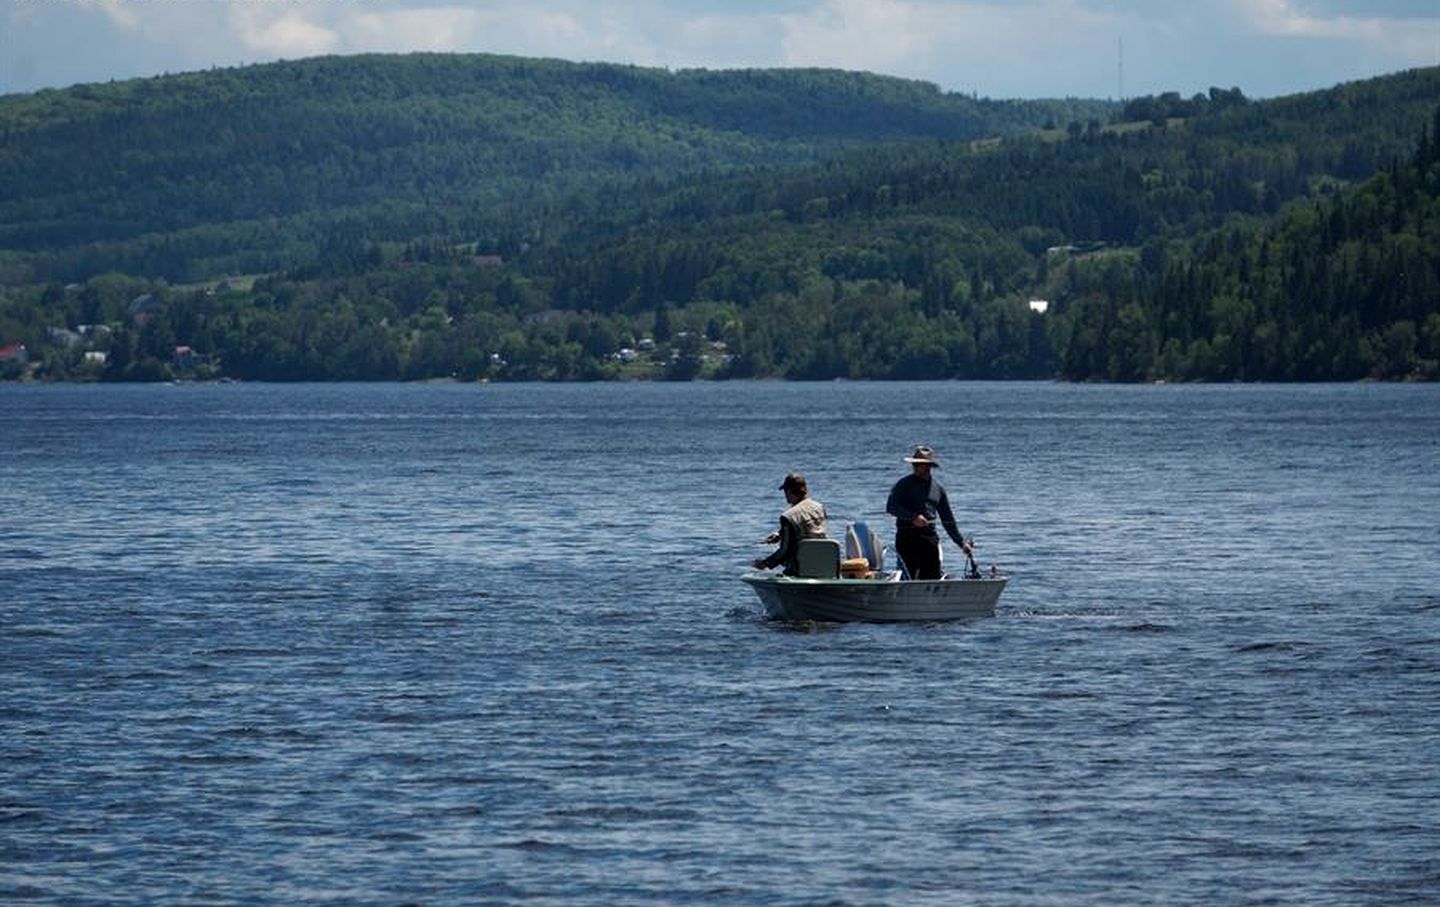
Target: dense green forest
x: 800, y: 224
x: 252, y: 169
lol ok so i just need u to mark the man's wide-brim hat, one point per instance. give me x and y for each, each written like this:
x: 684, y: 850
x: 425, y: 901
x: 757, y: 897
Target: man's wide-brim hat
x: 923, y: 454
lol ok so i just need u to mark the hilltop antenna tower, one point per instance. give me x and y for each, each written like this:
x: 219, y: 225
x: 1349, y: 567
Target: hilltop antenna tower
x: 1120, y: 67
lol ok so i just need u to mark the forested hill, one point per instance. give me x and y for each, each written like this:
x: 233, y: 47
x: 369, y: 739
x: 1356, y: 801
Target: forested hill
x: 253, y: 169
x: 1180, y: 246
x: 1202, y: 237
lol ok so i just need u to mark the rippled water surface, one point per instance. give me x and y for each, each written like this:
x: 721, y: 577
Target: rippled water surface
x: 486, y: 644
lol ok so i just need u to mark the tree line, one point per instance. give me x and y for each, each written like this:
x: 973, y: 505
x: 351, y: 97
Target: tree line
x: 251, y: 169
x: 1225, y: 240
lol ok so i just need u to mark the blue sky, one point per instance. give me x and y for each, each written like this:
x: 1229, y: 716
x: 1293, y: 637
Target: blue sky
x: 995, y: 48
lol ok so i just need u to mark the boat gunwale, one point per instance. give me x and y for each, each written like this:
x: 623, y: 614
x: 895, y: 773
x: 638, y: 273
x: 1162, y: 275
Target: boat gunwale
x: 886, y: 582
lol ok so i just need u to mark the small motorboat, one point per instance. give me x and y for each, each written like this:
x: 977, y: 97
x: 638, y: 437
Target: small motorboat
x: 825, y: 588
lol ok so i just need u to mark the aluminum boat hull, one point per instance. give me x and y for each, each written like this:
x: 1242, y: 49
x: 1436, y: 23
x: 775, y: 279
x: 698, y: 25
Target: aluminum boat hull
x: 875, y: 600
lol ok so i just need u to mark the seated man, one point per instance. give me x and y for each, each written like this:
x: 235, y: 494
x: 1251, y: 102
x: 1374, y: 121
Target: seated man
x: 804, y: 519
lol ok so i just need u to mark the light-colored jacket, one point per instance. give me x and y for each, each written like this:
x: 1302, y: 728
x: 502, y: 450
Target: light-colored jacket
x: 803, y: 520
x: 808, y: 517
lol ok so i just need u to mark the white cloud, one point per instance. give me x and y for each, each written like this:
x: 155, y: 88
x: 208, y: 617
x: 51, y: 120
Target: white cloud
x: 1409, y: 36
x: 1382, y: 42
x: 654, y: 33
x: 989, y: 47
x: 445, y: 28
x: 125, y: 15
x: 1284, y: 18
x: 858, y: 34
x: 497, y: 27
x: 280, y: 31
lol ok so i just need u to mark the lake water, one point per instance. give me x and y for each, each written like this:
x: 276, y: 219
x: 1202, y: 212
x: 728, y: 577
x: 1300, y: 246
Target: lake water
x: 445, y: 644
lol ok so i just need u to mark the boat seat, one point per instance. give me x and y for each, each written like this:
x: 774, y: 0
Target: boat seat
x: 817, y: 559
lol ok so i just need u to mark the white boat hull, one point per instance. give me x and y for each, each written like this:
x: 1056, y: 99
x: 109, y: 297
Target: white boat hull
x: 877, y: 600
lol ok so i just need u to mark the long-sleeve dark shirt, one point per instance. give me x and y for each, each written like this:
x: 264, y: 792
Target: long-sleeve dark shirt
x: 914, y: 496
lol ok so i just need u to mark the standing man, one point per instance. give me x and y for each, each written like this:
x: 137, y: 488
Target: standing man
x: 804, y: 519
x: 916, y: 502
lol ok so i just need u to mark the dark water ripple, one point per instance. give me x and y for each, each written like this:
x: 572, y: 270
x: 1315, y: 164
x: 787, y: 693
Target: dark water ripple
x: 441, y: 644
